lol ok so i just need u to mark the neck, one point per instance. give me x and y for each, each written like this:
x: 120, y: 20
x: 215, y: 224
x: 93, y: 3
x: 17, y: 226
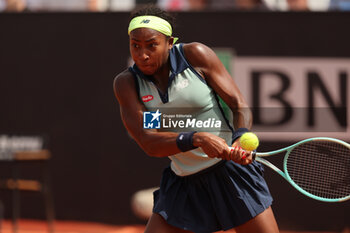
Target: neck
x: 161, y: 77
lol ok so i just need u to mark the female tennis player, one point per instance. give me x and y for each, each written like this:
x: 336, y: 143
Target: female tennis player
x: 207, y: 186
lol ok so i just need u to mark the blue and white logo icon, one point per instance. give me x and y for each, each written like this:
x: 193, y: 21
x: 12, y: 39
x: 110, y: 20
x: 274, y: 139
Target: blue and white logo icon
x: 151, y: 120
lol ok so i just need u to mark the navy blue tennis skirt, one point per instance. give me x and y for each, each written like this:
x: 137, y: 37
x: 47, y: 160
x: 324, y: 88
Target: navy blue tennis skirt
x: 221, y: 197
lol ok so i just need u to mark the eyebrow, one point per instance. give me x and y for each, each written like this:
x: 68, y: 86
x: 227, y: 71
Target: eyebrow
x: 149, y: 40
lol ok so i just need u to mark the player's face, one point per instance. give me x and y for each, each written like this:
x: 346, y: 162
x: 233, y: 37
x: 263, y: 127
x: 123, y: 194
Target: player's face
x: 149, y: 49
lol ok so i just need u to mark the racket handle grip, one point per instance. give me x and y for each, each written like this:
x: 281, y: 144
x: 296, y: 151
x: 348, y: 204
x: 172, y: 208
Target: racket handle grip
x: 253, y: 153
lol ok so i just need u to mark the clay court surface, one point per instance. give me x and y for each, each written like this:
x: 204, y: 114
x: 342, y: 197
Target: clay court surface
x: 35, y: 226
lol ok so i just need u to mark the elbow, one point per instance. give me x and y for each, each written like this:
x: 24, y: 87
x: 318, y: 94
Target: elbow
x: 151, y: 149
x: 243, y: 106
x: 240, y: 105
x: 154, y: 152
x: 151, y: 145
x: 245, y: 109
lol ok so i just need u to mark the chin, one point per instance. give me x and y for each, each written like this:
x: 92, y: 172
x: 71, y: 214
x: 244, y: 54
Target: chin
x: 148, y: 71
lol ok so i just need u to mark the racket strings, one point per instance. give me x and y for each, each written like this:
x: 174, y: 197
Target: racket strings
x: 321, y: 168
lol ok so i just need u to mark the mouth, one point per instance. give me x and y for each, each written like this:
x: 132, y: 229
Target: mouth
x: 146, y: 65
x: 146, y: 68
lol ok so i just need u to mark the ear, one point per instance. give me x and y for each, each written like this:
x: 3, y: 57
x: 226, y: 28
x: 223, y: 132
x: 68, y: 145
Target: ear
x: 171, y: 42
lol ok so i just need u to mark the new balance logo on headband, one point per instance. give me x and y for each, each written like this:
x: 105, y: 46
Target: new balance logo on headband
x: 145, y: 21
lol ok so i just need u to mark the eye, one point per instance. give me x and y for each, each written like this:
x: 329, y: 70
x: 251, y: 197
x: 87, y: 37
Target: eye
x: 153, y: 45
x: 136, y: 46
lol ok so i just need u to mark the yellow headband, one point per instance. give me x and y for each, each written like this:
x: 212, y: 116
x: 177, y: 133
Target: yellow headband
x: 152, y: 22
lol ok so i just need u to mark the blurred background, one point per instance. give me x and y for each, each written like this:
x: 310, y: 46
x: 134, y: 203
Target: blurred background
x: 64, y: 153
x: 173, y: 5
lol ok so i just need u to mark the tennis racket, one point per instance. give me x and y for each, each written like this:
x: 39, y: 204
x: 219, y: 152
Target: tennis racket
x: 317, y: 167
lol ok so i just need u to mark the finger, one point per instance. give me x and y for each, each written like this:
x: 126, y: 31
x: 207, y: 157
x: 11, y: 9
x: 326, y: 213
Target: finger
x: 231, y: 153
x: 224, y: 154
x: 244, y: 155
x: 247, y: 158
x: 237, y: 155
x: 247, y: 161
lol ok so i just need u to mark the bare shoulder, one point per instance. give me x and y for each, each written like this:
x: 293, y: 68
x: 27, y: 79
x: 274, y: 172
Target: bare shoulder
x: 123, y: 84
x: 198, y: 54
x: 123, y: 79
x: 196, y: 49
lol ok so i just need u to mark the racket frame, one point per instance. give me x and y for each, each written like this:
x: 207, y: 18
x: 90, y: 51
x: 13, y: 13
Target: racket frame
x: 259, y: 156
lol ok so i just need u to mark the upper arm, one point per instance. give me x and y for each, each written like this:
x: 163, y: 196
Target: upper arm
x: 205, y: 61
x: 131, y: 108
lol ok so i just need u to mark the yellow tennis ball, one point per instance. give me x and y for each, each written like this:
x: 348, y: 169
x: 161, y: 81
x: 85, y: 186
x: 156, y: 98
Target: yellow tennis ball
x: 249, y: 141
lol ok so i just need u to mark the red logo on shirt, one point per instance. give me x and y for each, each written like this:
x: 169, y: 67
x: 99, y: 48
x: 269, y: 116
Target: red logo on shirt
x: 147, y: 98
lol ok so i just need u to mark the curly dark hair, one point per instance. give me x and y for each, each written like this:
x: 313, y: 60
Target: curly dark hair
x: 151, y: 9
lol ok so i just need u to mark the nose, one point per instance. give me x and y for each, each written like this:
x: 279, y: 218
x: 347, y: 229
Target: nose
x: 143, y: 55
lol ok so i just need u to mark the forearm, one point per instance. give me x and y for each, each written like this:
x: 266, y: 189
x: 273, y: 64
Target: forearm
x: 163, y: 144
x: 159, y: 144
x: 242, y: 121
x: 242, y: 118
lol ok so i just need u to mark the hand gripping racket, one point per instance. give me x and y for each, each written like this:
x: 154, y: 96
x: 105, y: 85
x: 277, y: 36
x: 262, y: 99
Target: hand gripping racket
x: 317, y: 167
